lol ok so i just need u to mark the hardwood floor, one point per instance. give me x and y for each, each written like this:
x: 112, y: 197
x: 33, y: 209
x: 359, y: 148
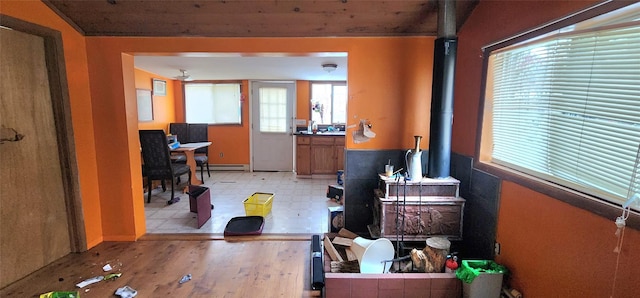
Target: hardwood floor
x: 236, y: 267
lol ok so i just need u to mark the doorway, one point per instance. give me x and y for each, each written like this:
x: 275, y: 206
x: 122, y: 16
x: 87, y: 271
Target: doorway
x: 272, y: 126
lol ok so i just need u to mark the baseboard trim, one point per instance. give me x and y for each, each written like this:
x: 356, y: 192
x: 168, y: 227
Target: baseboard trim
x: 229, y: 167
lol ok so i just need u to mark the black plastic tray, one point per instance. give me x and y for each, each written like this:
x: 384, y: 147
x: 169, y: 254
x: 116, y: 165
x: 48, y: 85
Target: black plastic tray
x: 244, y: 225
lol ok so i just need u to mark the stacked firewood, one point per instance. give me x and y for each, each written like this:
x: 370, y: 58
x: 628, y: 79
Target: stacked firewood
x: 343, y: 260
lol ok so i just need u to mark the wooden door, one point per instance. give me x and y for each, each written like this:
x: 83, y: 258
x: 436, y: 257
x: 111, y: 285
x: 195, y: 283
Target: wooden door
x: 34, y: 229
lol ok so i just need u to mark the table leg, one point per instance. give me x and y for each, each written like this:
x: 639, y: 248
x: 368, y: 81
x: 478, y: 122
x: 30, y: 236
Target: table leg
x: 191, y: 161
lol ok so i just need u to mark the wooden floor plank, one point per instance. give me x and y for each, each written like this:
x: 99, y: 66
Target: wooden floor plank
x: 271, y: 268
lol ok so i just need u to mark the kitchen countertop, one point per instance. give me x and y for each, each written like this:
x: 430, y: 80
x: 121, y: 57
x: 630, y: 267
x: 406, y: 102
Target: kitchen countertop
x: 326, y: 133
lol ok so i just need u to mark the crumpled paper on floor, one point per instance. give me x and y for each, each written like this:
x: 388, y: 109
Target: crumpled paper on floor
x: 126, y: 292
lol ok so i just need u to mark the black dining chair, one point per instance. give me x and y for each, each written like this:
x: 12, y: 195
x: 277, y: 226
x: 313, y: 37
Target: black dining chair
x: 157, y: 161
x: 181, y: 130
x: 199, y: 132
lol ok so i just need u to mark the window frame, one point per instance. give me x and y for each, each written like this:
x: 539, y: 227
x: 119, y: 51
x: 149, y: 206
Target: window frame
x: 333, y: 84
x: 241, y: 99
x: 565, y: 194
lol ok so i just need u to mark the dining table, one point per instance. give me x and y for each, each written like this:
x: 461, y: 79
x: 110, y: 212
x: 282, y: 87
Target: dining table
x: 188, y: 149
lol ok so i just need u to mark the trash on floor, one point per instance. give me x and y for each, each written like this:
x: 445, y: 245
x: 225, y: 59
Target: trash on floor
x: 112, y: 276
x: 106, y: 268
x: 185, y: 278
x: 60, y: 295
x: 89, y: 281
x: 126, y: 292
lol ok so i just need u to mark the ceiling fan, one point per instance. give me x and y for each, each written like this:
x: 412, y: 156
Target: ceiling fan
x: 184, y: 77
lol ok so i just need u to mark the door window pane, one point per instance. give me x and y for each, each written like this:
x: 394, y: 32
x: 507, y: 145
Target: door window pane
x: 273, y: 110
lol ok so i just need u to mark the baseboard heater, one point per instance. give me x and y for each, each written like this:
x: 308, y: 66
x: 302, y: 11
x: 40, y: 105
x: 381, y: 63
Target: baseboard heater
x: 317, y: 265
x: 229, y: 167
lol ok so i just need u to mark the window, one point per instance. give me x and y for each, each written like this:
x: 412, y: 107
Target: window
x: 329, y: 102
x: 213, y: 103
x: 273, y: 110
x: 565, y: 106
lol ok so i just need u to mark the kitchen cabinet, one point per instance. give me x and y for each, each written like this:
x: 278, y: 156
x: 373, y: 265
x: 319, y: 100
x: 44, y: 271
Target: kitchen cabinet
x: 319, y: 155
x: 303, y: 155
x: 339, y: 153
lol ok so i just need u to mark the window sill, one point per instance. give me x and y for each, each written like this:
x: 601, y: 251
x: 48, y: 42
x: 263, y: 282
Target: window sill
x: 564, y: 194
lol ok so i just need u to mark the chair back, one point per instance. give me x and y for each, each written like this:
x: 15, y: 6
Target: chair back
x: 155, y: 154
x: 199, y: 132
x: 181, y: 130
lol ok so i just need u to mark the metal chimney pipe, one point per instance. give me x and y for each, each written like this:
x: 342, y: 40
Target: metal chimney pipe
x: 444, y: 66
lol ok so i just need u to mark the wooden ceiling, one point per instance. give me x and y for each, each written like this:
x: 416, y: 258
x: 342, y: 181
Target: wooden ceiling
x: 255, y: 18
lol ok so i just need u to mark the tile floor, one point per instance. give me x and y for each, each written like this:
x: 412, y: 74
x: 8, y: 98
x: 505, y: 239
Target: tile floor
x: 299, y: 205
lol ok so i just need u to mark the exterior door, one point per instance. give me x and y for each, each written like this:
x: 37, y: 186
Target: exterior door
x: 34, y: 228
x: 272, y: 126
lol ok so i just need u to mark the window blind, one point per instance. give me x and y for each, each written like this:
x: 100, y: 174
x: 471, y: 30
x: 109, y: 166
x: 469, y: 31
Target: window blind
x: 566, y: 108
x: 217, y: 103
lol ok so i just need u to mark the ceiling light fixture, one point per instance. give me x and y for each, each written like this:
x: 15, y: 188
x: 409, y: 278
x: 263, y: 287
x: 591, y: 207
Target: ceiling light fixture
x: 184, y: 76
x: 329, y: 67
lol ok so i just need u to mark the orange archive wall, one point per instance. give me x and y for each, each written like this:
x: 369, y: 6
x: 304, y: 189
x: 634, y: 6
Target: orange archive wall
x: 75, y: 56
x: 552, y: 248
x: 163, y: 106
x: 381, y: 92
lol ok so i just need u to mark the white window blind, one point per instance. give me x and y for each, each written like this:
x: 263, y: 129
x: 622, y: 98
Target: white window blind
x: 213, y: 103
x: 566, y: 107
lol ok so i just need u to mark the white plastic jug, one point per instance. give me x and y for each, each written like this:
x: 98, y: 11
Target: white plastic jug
x: 413, y: 160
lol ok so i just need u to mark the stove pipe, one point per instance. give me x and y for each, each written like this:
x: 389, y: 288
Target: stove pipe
x: 444, y: 65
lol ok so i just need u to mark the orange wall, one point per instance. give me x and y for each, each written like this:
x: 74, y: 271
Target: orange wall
x: 303, y: 104
x: 552, y: 248
x: 556, y: 250
x: 75, y: 56
x: 163, y: 106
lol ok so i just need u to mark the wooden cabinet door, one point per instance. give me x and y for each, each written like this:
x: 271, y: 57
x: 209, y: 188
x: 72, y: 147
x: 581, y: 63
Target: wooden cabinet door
x: 339, y: 153
x: 303, y: 160
x: 322, y: 159
x: 303, y: 155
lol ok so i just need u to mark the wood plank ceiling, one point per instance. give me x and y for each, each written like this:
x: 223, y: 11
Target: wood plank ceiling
x: 255, y: 18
